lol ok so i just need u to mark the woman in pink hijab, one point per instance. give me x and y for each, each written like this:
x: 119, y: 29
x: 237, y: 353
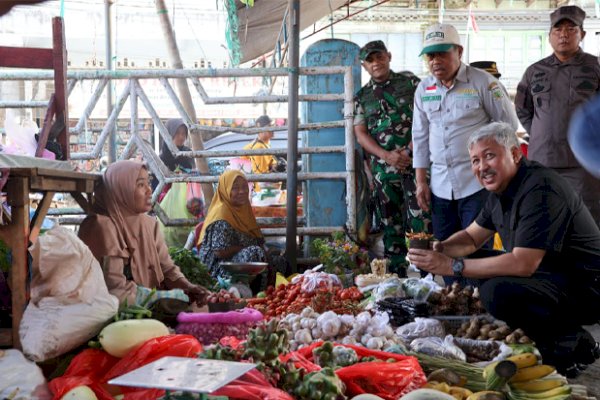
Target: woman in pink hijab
x: 126, y: 241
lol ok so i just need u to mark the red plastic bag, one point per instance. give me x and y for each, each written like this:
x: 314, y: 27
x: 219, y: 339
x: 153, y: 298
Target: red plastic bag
x: 239, y: 390
x: 300, y: 361
x: 389, y: 380
x: 231, y: 341
x: 85, y: 369
x: 384, y: 379
x: 255, y: 377
x: 152, y: 350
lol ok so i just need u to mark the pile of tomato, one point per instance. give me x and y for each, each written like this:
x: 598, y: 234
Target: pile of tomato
x: 287, y: 299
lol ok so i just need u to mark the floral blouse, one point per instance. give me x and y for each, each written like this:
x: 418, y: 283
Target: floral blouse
x: 220, y: 235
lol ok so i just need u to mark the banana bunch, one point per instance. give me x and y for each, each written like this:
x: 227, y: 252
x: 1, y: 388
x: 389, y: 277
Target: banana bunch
x: 533, y: 380
x: 447, y: 381
x: 459, y: 393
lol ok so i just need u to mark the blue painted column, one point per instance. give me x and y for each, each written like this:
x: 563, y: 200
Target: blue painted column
x: 324, y: 200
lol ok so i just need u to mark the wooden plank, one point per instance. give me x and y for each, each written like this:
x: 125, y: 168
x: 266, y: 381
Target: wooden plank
x: 54, y: 173
x: 43, y: 184
x: 40, y: 214
x: 25, y: 57
x: 18, y: 198
x: 59, y: 61
x: 43, y: 138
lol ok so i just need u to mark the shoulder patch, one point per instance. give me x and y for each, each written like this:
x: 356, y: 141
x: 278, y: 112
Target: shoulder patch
x: 496, y: 90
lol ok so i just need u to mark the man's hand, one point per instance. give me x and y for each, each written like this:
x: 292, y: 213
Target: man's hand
x: 431, y: 261
x: 423, y: 196
x: 397, y: 158
x: 197, y: 294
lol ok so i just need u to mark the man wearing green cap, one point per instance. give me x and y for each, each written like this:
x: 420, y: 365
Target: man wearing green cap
x: 450, y: 104
x: 382, y: 125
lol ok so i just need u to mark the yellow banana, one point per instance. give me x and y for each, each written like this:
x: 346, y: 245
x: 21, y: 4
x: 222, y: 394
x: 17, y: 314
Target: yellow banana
x: 539, y: 385
x: 439, y: 386
x: 524, y: 360
x: 562, y: 390
x: 531, y: 373
x: 459, y: 393
x: 487, y: 395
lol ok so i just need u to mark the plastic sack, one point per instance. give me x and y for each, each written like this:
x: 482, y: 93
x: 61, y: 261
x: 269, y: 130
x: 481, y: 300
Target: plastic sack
x: 420, y: 328
x: 389, y: 288
x: 174, y: 205
x: 438, y: 347
x: 21, y: 378
x: 70, y: 302
x: 311, y: 281
x: 419, y: 289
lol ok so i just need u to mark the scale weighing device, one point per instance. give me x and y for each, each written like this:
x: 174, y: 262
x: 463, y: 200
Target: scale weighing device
x: 184, y: 374
x: 242, y: 274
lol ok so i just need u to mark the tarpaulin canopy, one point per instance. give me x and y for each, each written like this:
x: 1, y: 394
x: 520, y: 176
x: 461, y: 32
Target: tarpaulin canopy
x: 260, y: 25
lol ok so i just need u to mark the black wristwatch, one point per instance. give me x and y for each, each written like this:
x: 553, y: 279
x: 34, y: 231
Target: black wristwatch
x: 409, y: 152
x: 458, y: 265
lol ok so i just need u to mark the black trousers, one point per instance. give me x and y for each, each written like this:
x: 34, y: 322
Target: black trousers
x: 549, y: 307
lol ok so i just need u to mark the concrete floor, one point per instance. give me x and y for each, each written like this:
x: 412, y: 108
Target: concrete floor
x: 591, y: 376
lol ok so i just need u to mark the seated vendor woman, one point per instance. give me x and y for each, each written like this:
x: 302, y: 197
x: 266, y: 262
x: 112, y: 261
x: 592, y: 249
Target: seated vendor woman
x: 230, y: 231
x: 127, y: 242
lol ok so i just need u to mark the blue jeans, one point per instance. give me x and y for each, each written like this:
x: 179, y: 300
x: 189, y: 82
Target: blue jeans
x: 451, y: 216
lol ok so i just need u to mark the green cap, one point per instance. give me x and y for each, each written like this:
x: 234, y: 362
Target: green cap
x: 371, y: 47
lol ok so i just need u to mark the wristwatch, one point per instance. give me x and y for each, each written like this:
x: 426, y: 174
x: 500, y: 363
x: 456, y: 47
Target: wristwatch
x: 409, y: 152
x: 458, y: 266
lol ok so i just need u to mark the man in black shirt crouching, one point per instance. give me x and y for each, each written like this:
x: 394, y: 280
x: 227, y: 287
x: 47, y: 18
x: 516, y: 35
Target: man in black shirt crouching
x: 548, y: 280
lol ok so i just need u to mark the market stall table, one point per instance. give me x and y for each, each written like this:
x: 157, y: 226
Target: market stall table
x: 20, y: 232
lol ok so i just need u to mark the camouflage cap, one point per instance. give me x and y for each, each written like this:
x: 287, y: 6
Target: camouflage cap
x: 371, y: 47
x: 573, y: 13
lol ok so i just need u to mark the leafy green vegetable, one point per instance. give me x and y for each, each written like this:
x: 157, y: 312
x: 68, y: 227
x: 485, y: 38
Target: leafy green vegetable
x: 191, y: 266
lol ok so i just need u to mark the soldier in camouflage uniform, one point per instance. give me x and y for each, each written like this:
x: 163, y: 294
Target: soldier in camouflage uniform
x: 382, y: 125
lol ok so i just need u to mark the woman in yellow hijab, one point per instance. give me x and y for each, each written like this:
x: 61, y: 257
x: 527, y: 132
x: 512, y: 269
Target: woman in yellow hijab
x: 230, y: 231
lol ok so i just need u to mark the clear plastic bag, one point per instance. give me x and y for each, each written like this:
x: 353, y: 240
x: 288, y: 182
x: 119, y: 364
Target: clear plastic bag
x: 482, y: 352
x: 312, y: 281
x: 438, y: 347
x: 420, y: 289
x: 389, y: 288
x: 422, y: 327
